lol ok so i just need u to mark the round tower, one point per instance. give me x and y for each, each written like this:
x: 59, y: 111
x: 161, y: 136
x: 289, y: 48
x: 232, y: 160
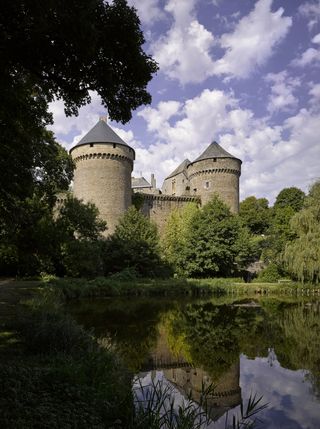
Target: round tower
x: 102, y: 175
x: 216, y: 171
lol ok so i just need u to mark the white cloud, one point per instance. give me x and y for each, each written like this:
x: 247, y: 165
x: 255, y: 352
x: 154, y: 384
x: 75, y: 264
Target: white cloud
x: 270, y: 161
x: 311, y: 10
x: 149, y: 11
x: 183, y: 52
x: 253, y: 41
x: 282, y: 88
x: 310, y: 56
x: 315, y: 92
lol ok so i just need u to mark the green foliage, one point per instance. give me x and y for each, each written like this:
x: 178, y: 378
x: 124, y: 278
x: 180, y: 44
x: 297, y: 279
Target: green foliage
x: 288, y: 202
x: 137, y: 200
x: 176, y: 236
x: 270, y: 274
x: 255, y: 214
x: 43, y: 57
x: 135, y: 244
x: 302, y: 255
x: 280, y: 233
x: 216, y: 242
x: 82, y: 258
x: 290, y: 197
x: 80, y: 220
x: 65, y: 244
x: 65, y: 379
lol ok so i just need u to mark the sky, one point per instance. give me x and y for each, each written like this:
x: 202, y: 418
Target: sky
x: 244, y: 73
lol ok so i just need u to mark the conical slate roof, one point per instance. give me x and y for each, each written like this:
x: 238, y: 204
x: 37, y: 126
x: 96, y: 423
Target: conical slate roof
x: 180, y: 168
x: 101, y: 133
x: 214, y: 150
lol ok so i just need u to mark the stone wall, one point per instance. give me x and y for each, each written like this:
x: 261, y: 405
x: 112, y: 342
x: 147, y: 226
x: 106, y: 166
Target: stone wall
x: 103, y: 177
x: 176, y: 185
x: 158, y: 207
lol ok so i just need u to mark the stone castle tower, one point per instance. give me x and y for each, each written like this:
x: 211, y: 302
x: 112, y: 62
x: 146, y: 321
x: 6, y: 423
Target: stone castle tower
x: 215, y: 171
x: 104, y: 164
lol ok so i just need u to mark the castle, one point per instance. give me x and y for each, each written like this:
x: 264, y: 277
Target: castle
x: 104, y: 163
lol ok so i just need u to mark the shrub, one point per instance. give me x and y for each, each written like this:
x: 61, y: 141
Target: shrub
x: 270, y: 274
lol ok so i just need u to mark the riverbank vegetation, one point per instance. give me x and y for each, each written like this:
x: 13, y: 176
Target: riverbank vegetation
x: 197, y: 243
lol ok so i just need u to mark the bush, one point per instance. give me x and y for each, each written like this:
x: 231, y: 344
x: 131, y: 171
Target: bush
x: 270, y: 274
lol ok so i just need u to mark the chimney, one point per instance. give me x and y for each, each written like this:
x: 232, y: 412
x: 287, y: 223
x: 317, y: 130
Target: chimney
x: 153, y: 181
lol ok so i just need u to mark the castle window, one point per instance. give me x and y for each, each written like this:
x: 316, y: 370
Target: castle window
x: 214, y: 159
x: 173, y: 184
x: 114, y: 145
x: 206, y: 185
x: 91, y: 144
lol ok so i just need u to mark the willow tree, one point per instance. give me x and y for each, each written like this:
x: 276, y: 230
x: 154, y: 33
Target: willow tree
x: 302, y: 255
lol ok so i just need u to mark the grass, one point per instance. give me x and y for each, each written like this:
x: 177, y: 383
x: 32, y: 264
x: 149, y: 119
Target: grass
x: 63, y: 378
x: 71, y: 289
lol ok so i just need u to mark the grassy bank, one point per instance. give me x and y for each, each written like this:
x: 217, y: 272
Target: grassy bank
x: 108, y: 287
x: 59, y: 376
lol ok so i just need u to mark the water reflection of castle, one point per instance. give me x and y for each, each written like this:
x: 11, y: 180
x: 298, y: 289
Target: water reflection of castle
x: 191, y: 381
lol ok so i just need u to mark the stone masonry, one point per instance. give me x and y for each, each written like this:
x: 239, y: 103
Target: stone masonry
x: 104, y: 164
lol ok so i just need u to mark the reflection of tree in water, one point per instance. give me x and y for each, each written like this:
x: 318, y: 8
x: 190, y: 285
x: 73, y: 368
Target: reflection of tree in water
x: 129, y: 324
x: 298, y: 347
x: 210, y: 336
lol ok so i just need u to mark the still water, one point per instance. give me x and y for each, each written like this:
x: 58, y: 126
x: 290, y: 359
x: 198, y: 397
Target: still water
x: 242, y: 346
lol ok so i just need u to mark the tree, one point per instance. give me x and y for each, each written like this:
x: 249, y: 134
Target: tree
x: 134, y: 244
x: 68, y: 243
x: 80, y: 220
x: 255, y: 214
x: 67, y: 49
x: 288, y: 202
x: 79, y: 231
x: 302, y: 255
x: 215, y: 239
x: 290, y: 197
x: 176, y: 235
x: 63, y: 50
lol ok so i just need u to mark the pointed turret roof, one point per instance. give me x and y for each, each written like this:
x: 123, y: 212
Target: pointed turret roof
x: 214, y: 150
x: 180, y: 168
x: 101, y: 133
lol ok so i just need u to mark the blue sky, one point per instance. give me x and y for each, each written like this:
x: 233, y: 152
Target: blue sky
x: 242, y: 72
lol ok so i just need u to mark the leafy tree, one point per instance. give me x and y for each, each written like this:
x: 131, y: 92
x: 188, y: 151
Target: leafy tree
x: 288, y: 202
x: 280, y: 233
x: 80, y: 220
x: 176, y: 235
x: 290, y: 197
x: 255, y: 214
x: 80, y: 231
x: 135, y: 244
x: 214, y: 241
x: 63, y: 50
x: 65, y: 244
x: 302, y: 255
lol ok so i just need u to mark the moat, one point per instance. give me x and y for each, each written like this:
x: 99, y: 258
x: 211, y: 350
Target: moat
x: 242, y: 346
